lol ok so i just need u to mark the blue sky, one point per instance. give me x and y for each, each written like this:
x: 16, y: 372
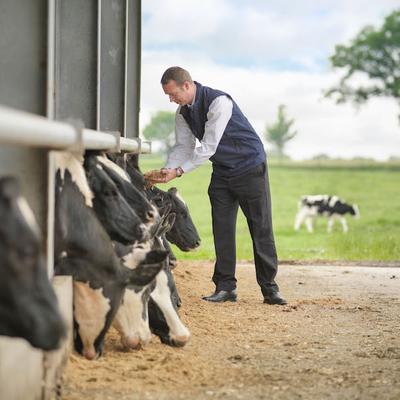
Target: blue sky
x: 266, y: 53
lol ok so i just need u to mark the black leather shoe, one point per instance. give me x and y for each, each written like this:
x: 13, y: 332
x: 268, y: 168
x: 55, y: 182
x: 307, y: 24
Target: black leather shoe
x: 221, y: 296
x: 275, y: 298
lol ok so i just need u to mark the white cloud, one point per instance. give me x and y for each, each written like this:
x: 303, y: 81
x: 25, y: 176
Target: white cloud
x: 260, y: 32
x: 182, y: 22
x: 291, y: 32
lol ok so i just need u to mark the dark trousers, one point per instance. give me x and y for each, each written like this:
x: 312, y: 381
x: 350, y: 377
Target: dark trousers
x: 251, y: 192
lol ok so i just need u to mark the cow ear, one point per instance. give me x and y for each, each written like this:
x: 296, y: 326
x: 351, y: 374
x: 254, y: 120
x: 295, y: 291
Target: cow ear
x: 169, y: 222
x: 166, y: 224
x: 155, y: 256
x: 171, y: 219
x: 10, y: 187
x: 173, y: 190
x: 70, y: 267
x: 133, y: 160
x: 165, y: 209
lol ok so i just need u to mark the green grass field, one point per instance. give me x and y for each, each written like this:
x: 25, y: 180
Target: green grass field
x: 375, y: 187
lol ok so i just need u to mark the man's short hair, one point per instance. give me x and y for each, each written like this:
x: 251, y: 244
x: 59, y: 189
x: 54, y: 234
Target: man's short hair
x: 177, y: 74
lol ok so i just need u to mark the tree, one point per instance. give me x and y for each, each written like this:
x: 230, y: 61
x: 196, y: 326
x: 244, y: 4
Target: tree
x: 375, y: 54
x: 279, y: 133
x: 161, y: 127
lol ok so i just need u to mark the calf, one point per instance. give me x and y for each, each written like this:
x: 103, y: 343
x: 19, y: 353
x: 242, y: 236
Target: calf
x: 84, y: 250
x: 28, y: 305
x: 331, y: 207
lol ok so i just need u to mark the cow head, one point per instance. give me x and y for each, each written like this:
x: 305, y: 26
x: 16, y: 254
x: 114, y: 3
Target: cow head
x: 130, y: 163
x: 161, y: 200
x: 342, y: 207
x: 355, y: 211
x: 135, y: 197
x: 163, y: 308
x: 28, y: 305
x: 84, y: 250
x: 132, y: 321
x: 98, y: 293
x: 119, y: 219
x: 163, y: 311
x: 156, y: 304
x: 183, y: 233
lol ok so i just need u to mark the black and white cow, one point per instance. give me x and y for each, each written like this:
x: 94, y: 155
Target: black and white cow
x: 164, y: 299
x: 156, y: 303
x: 28, y: 304
x: 84, y: 250
x: 332, y: 207
x: 183, y: 232
x: 120, y: 220
x: 135, y: 198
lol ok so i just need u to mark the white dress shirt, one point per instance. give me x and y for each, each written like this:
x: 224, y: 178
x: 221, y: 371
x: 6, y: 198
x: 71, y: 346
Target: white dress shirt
x: 185, y: 154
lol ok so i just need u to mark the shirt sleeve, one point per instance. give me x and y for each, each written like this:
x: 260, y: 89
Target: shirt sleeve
x: 185, y: 142
x: 218, y: 116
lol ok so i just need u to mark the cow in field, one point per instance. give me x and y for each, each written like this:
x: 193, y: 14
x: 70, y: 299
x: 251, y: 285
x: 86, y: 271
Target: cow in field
x: 84, y: 250
x: 28, y: 304
x: 332, y: 207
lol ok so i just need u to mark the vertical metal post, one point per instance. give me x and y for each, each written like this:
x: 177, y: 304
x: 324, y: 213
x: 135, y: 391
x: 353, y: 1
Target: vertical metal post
x: 127, y: 9
x: 76, y: 61
x: 111, y: 65
x: 132, y: 68
x: 23, y: 49
x: 50, y: 109
x: 98, y: 98
x: 51, y: 29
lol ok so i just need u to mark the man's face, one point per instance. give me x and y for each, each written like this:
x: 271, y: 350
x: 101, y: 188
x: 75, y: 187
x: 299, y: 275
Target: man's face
x: 181, y: 95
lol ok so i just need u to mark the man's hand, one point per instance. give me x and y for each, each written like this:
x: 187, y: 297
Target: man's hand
x: 162, y: 175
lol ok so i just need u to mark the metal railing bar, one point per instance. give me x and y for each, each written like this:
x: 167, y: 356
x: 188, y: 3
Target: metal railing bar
x: 22, y: 128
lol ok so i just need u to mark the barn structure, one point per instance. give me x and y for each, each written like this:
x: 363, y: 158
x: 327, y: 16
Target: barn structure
x: 69, y: 79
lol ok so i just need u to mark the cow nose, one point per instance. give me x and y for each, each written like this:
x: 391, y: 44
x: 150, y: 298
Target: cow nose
x: 198, y: 242
x: 131, y: 342
x: 90, y: 354
x: 180, y: 341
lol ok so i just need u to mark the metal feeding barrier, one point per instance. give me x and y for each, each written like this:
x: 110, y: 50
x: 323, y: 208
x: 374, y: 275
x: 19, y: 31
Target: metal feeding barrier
x: 69, y: 81
x: 26, y: 129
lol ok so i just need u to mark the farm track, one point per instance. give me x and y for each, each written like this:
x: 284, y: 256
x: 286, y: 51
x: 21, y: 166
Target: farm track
x: 339, y: 338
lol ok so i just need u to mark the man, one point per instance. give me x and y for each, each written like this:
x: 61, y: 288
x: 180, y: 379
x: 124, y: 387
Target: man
x: 239, y: 177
